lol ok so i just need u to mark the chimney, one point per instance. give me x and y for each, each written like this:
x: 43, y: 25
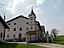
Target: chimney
x: 4, y: 16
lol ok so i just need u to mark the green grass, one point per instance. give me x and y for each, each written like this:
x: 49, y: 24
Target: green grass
x: 18, y: 46
x: 59, y: 40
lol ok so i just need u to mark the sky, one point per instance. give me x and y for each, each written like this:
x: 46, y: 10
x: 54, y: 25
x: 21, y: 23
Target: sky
x: 49, y: 13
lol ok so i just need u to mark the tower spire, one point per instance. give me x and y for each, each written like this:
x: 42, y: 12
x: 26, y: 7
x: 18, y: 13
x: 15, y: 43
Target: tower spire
x: 32, y: 12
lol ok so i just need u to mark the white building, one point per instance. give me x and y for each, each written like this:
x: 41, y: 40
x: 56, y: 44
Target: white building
x: 3, y: 26
x: 20, y: 26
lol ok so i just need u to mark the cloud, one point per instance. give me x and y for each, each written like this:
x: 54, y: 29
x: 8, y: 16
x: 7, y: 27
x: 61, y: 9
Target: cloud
x: 57, y: 2
x: 36, y: 10
x: 63, y: 19
x: 12, y: 6
x: 39, y: 2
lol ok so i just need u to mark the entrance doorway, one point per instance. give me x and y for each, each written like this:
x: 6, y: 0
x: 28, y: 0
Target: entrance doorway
x: 20, y: 36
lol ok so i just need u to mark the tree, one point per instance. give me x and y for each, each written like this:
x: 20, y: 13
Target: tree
x: 54, y: 32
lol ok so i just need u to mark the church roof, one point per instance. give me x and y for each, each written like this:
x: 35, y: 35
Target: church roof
x: 39, y: 25
x: 32, y: 12
x: 43, y: 28
x: 17, y: 18
x: 3, y: 22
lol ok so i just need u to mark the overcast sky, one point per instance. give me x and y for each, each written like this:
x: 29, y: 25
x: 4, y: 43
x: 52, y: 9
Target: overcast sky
x: 48, y: 12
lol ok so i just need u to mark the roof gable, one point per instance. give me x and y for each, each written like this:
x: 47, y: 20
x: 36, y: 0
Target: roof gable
x: 17, y: 18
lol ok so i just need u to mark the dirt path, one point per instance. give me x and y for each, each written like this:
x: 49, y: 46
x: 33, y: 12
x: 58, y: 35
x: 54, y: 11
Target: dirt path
x: 48, y: 45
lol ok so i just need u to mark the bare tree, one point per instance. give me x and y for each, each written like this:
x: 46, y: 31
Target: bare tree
x: 54, y: 32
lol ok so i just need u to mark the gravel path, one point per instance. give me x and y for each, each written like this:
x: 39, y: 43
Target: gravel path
x: 48, y: 45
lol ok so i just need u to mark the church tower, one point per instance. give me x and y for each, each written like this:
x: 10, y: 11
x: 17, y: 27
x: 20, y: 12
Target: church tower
x: 32, y: 19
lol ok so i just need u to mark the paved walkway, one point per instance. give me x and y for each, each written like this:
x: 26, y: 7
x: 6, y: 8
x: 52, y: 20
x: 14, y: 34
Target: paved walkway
x: 48, y: 45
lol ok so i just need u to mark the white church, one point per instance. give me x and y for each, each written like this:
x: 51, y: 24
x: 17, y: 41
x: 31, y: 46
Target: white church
x: 21, y: 25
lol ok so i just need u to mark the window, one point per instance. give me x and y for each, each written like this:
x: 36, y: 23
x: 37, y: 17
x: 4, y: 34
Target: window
x: 14, y: 36
x: 8, y: 30
x: 8, y: 23
x: 31, y: 15
x: 31, y: 27
x: 20, y: 29
x: 14, y: 29
x: 31, y: 22
x: 1, y: 35
x: 27, y: 23
x: 14, y: 23
x: 27, y: 28
x: 31, y: 18
x: 7, y: 36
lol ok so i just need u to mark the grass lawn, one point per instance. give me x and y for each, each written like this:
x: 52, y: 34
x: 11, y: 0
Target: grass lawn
x: 7, y: 45
x: 59, y: 40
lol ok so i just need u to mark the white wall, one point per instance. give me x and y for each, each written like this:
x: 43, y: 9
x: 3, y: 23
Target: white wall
x: 1, y: 31
x: 20, y: 23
